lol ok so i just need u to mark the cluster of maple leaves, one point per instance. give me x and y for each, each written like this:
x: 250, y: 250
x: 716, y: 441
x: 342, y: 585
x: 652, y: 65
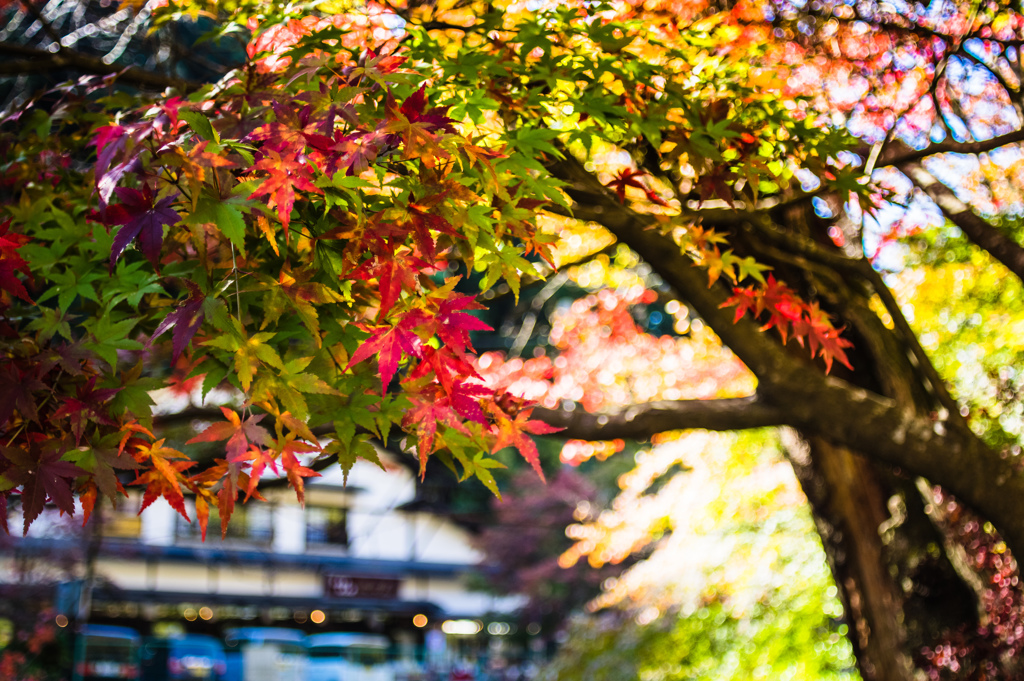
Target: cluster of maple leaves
x: 305, y: 211
x: 292, y: 231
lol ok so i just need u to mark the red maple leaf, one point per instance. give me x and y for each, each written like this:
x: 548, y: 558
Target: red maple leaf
x: 163, y: 479
x: 389, y: 343
x: 627, y: 178
x: 394, y: 270
x: 788, y: 313
x: 417, y: 127
x: 430, y: 409
x: 414, y: 109
x: 422, y: 221
x: 746, y: 299
x: 237, y: 433
x: 43, y: 476
x: 11, y: 262
x: 823, y: 339
x: 109, y: 141
x: 182, y: 382
x: 86, y: 406
x: 261, y: 459
x: 185, y: 321
x: 355, y: 152
x: 378, y: 65
x: 16, y: 386
x: 142, y: 220
x: 446, y: 366
x: 452, y: 325
x: 511, y: 431
x: 291, y: 132
x: 285, y: 174
x: 294, y: 468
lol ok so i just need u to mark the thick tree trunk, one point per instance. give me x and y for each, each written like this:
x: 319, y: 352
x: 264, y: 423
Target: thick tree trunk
x: 898, y: 589
x: 850, y: 504
x: 886, y: 554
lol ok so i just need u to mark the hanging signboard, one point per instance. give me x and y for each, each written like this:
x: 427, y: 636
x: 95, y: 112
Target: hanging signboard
x: 353, y: 586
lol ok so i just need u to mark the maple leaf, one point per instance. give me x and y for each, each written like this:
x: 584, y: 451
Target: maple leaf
x: 291, y: 132
x: 294, y: 469
x: 284, y: 175
x: 356, y: 151
x: 11, y: 262
x: 237, y: 433
x: 185, y: 321
x: 627, y: 178
x: 422, y: 222
x: 86, y: 406
x: 261, y: 460
x: 823, y: 339
x: 430, y: 409
x: 43, y: 476
x: 450, y: 369
x: 202, y: 514
x: 395, y: 269
x: 182, y: 382
x: 163, y: 479
x: 452, y: 325
x: 716, y: 183
x: 70, y: 357
x: 389, y: 343
x: 142, y: 220
x: 249, y: 351
x: 16, y: 386
x: 414, y: 109
x: 87, y: 496
x: 101, y: 463
x: 414, y: 125
x: 511, y: 431
x: 374, y: 67
x: 745, y: 299
x: 109, y: 141
x: 787, y: 313
x: 226, y: 497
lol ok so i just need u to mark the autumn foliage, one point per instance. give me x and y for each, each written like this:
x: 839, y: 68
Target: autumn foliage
x: 298, y: 232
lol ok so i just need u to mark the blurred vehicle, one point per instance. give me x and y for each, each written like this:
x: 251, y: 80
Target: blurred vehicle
x: 106, y: 652
x: 265, y: 654
x: 191, y: 657
x: 350, y: 657
x: 462, y: 673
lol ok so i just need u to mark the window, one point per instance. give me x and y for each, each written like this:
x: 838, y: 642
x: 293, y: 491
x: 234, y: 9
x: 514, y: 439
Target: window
x: 326, y: 526
x: 123, y: 522
x: 253, y: 524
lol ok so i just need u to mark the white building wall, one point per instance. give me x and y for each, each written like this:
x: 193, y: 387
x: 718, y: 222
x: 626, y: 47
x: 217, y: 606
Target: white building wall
x: 158, y: 524
x: 289, y: 528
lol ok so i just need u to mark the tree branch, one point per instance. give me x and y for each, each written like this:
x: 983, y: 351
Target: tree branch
x: 762, y: 354
x: 899, y: 154
x: 943, y: 450
x: 1003, y: 248
x: 40, y: 61
x: 641, y: 421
